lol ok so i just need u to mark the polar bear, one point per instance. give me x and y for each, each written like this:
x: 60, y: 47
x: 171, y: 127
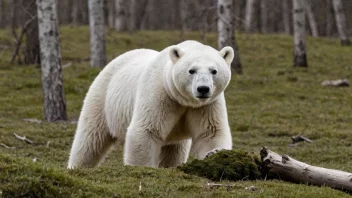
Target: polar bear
x: 162, y: 106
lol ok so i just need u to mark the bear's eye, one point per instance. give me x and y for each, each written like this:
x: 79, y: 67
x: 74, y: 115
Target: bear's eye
x: 192, y: 71
x: 214, y: 72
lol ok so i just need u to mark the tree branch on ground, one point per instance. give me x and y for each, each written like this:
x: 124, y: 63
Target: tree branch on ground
x: 289, y: 169
x: 300, y: 138
x: 10, y: 147
x: 26, y: 140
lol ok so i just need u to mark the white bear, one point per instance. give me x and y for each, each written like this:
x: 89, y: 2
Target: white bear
x: 162, y: 105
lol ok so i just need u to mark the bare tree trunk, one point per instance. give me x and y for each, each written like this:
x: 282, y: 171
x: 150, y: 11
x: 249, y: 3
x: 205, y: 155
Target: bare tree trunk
x: 311, y: 18
x: 341, y: 22
x: 264, y: 16
x: 183, y: 17
x: 249, y: 15
x: 286, y: 12
x: 121, y: 15
x: 111, y: 13
x: 329, y: 18
x: 32, y: 51
x: 289, y: 169
x: 84, y: 11
x: 74, y: 14
x: 97, y: 33
x: 226, y: 36
x: 299, y: 33
x: 1, y: 13
x: 13, y: 14
x: 237, y: 14
x: 65, y: 11
x: 54, y: 95
x: 138, y: 10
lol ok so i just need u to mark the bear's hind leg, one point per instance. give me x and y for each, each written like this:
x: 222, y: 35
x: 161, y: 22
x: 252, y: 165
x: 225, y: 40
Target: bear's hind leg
x: 91, y: 144
x: 175, y: 154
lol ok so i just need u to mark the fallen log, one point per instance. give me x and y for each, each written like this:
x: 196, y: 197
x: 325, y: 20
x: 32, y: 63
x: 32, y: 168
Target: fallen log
x: 289, y: 169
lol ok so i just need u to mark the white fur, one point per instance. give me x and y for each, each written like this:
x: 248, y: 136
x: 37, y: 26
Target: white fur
x: 148, y: 100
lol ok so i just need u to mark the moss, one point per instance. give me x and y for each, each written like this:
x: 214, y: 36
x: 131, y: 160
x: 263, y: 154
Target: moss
x: 22, y: 178
x: 230, y: 165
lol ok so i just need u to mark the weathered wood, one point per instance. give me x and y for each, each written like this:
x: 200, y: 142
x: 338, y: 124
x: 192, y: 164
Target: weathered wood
x: 23, y: 138
x: 226, y: 34
x: 336, y: 83
x: 97, y: 33
x: 50, y: 56
x: 287, y: 168
x: 300, y: 138
x: 299, y: 34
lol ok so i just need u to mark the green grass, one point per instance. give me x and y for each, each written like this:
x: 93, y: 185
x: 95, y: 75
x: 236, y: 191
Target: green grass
x: 270, y: 103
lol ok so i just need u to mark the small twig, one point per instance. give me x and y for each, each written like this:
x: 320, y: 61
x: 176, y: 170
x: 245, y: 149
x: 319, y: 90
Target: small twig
x: 222, y: 174
x: 28, y: 141
x: 140, y: 187
x: 48, y: 144
x: 224, y: 185
x: 336, y: 83
x: 4, y: 145
x: 300, y: 138
x: 244, y: 178
x: 10, y: 147
x: 67, y: 65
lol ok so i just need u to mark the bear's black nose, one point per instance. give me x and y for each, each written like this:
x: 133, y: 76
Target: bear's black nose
x: 203, y: 90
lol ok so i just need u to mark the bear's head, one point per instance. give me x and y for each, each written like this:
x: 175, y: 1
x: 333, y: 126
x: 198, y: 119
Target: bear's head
x: 199, y: 73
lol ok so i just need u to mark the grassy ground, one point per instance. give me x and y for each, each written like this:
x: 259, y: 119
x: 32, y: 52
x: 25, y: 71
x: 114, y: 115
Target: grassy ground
x: 267, y: 105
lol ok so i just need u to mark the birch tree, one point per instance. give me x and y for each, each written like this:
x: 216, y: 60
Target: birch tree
x: 121, y: 15
x: 249, y: 13
x: 299, y: 33
x: 330, y: 18
x: 50, y: 54
x: 183, y: 15
x: 97, y: 33
x: 31, y: 54
x: 1, y: 14
x: 286, y: 16
x: 341, y: 22
x: 226, y: 35
x: 311, y: 17
x: 264, y: 16
x: 111, y: 12
x: 74, y: 13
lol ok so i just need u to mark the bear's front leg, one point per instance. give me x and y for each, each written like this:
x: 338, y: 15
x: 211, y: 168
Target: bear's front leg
x: 142, y: 147
x: 210, y: 129
x: 151, y: 124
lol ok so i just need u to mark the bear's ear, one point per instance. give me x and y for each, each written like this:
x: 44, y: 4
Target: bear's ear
x: 175, y: 54
x: 227, y: 53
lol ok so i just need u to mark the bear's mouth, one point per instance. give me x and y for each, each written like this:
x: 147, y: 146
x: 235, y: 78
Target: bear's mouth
x: 203, y: 97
